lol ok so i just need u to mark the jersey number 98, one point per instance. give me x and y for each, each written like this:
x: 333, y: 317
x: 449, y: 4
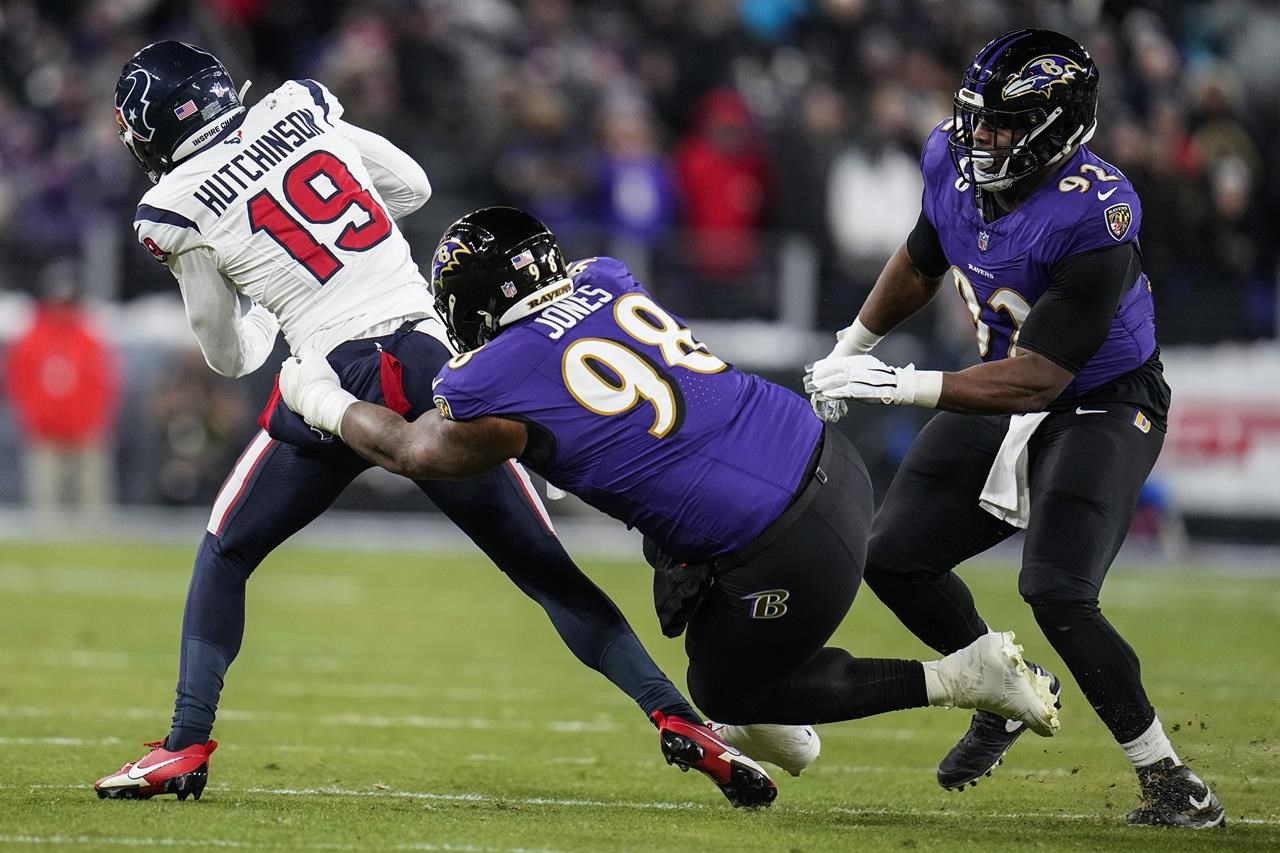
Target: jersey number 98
x: 608, y: 377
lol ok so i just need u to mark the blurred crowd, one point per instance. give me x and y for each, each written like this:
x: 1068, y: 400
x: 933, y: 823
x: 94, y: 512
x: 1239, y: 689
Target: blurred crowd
x: 697, y: 139
x: 690, y: 136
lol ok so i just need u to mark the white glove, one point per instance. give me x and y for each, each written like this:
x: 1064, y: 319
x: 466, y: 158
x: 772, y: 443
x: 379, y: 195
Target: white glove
x: 851, y: 340
x: 868, y: 379
x: 311, y: 388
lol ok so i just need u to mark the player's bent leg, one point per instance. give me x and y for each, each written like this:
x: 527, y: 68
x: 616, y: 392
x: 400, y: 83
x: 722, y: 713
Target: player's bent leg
x: 930, y: 522
x: 501, y: 513
x: 1086, y: 476
x: 936, y: 489
x: 793, y: 748
x: 755, y: 642
x: 272, y: 492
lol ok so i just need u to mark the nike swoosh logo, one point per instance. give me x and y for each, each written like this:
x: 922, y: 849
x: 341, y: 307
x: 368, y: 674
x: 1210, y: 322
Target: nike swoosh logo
x: 1080, y: 411
x: 1103, y: 196
x: 1201, y: 804
x: 1011, y: 726
x: 136, y: 772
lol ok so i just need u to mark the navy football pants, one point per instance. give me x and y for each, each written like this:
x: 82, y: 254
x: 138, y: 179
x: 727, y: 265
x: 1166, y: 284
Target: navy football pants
x: 277, y: 488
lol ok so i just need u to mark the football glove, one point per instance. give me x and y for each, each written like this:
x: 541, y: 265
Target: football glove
x: 869, y: 380
x: 311, y: 388
x: 851, y: 340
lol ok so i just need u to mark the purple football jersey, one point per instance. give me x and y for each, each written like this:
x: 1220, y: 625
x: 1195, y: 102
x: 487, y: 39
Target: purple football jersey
x: 1002, y: 267
x: 647, y: 425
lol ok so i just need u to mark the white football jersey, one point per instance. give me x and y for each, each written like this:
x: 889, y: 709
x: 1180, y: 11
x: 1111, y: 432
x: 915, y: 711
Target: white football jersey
x: 294, y: 220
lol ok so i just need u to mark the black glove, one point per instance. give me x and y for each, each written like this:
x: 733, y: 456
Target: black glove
x: 678, y: 588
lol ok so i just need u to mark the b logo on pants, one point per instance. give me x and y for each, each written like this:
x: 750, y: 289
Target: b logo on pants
x: 769, y: 604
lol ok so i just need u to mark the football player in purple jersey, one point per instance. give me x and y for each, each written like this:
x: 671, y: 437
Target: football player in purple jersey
x: 1058, y: 427
x: 335, y: 274
x: 755, y: 514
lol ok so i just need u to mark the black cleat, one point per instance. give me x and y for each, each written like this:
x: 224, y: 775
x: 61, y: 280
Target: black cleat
x: 983, y: 747
x: 1174, y: 796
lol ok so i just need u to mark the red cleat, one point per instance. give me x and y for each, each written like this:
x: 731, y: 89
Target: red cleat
x: 160, y: 772
x: 741, y: 780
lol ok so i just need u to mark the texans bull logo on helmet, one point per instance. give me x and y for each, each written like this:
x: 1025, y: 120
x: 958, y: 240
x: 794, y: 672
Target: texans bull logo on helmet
x: 131, y: 111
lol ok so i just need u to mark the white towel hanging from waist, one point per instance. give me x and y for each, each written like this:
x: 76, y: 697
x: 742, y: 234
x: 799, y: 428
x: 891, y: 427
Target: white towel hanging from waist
x: 1006, y: 492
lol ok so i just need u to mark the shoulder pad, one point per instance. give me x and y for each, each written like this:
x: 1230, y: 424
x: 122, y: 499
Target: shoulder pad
x: 603, y: 271
x: 308, y: 93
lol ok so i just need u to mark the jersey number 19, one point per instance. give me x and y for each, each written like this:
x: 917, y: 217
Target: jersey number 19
x: 321, y: 189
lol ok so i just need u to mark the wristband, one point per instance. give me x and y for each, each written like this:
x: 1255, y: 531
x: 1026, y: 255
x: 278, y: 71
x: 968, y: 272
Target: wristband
x: 856, y: 338
x: 329, y: 407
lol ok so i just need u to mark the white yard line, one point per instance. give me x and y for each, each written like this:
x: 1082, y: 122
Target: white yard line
x: 118, y: 841
x: 920, y: 813
x: 440, y: 796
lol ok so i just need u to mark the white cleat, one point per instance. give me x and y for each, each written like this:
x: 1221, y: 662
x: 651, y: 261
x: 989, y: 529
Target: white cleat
x: 989, y: 674
x: 793, y: 748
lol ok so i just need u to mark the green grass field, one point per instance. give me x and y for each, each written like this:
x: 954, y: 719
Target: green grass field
x: 397, y: 701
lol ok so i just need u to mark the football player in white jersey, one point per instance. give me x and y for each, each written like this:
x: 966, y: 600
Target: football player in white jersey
x: 286, y: 204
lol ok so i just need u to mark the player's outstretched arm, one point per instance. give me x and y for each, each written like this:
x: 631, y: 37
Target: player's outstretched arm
x: 1065, y: 328
x: 430, y: 448
x: 908, y: 281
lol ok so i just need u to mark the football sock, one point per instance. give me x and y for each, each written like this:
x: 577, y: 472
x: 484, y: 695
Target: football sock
x: 628, y: 665
x: 1104, y: 665
x: 1150, y: 746
x: 939, y: 610
x: 199, y: 686
x: 834, y: 685
x: 212, y: 630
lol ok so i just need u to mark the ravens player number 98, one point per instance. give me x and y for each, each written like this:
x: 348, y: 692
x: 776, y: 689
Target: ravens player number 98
x: 1058, y: 427
x: 288, y: 206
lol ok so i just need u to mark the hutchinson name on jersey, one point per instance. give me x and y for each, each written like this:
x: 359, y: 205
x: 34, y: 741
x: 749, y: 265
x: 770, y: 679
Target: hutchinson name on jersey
x: 295, y: 208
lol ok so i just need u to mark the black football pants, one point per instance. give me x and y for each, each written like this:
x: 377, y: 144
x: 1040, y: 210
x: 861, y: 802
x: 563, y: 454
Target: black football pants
x: 757, y: 642
x: 1086, y: 472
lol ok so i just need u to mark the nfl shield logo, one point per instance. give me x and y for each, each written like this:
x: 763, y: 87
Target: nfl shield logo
x: 984, y: 240
x: 508, y: 289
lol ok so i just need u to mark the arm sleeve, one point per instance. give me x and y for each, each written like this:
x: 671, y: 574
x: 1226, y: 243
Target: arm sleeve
x: 1072, y: 319
x: 925, y: 249
x: 399, y: 179
x: 233, y: 345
